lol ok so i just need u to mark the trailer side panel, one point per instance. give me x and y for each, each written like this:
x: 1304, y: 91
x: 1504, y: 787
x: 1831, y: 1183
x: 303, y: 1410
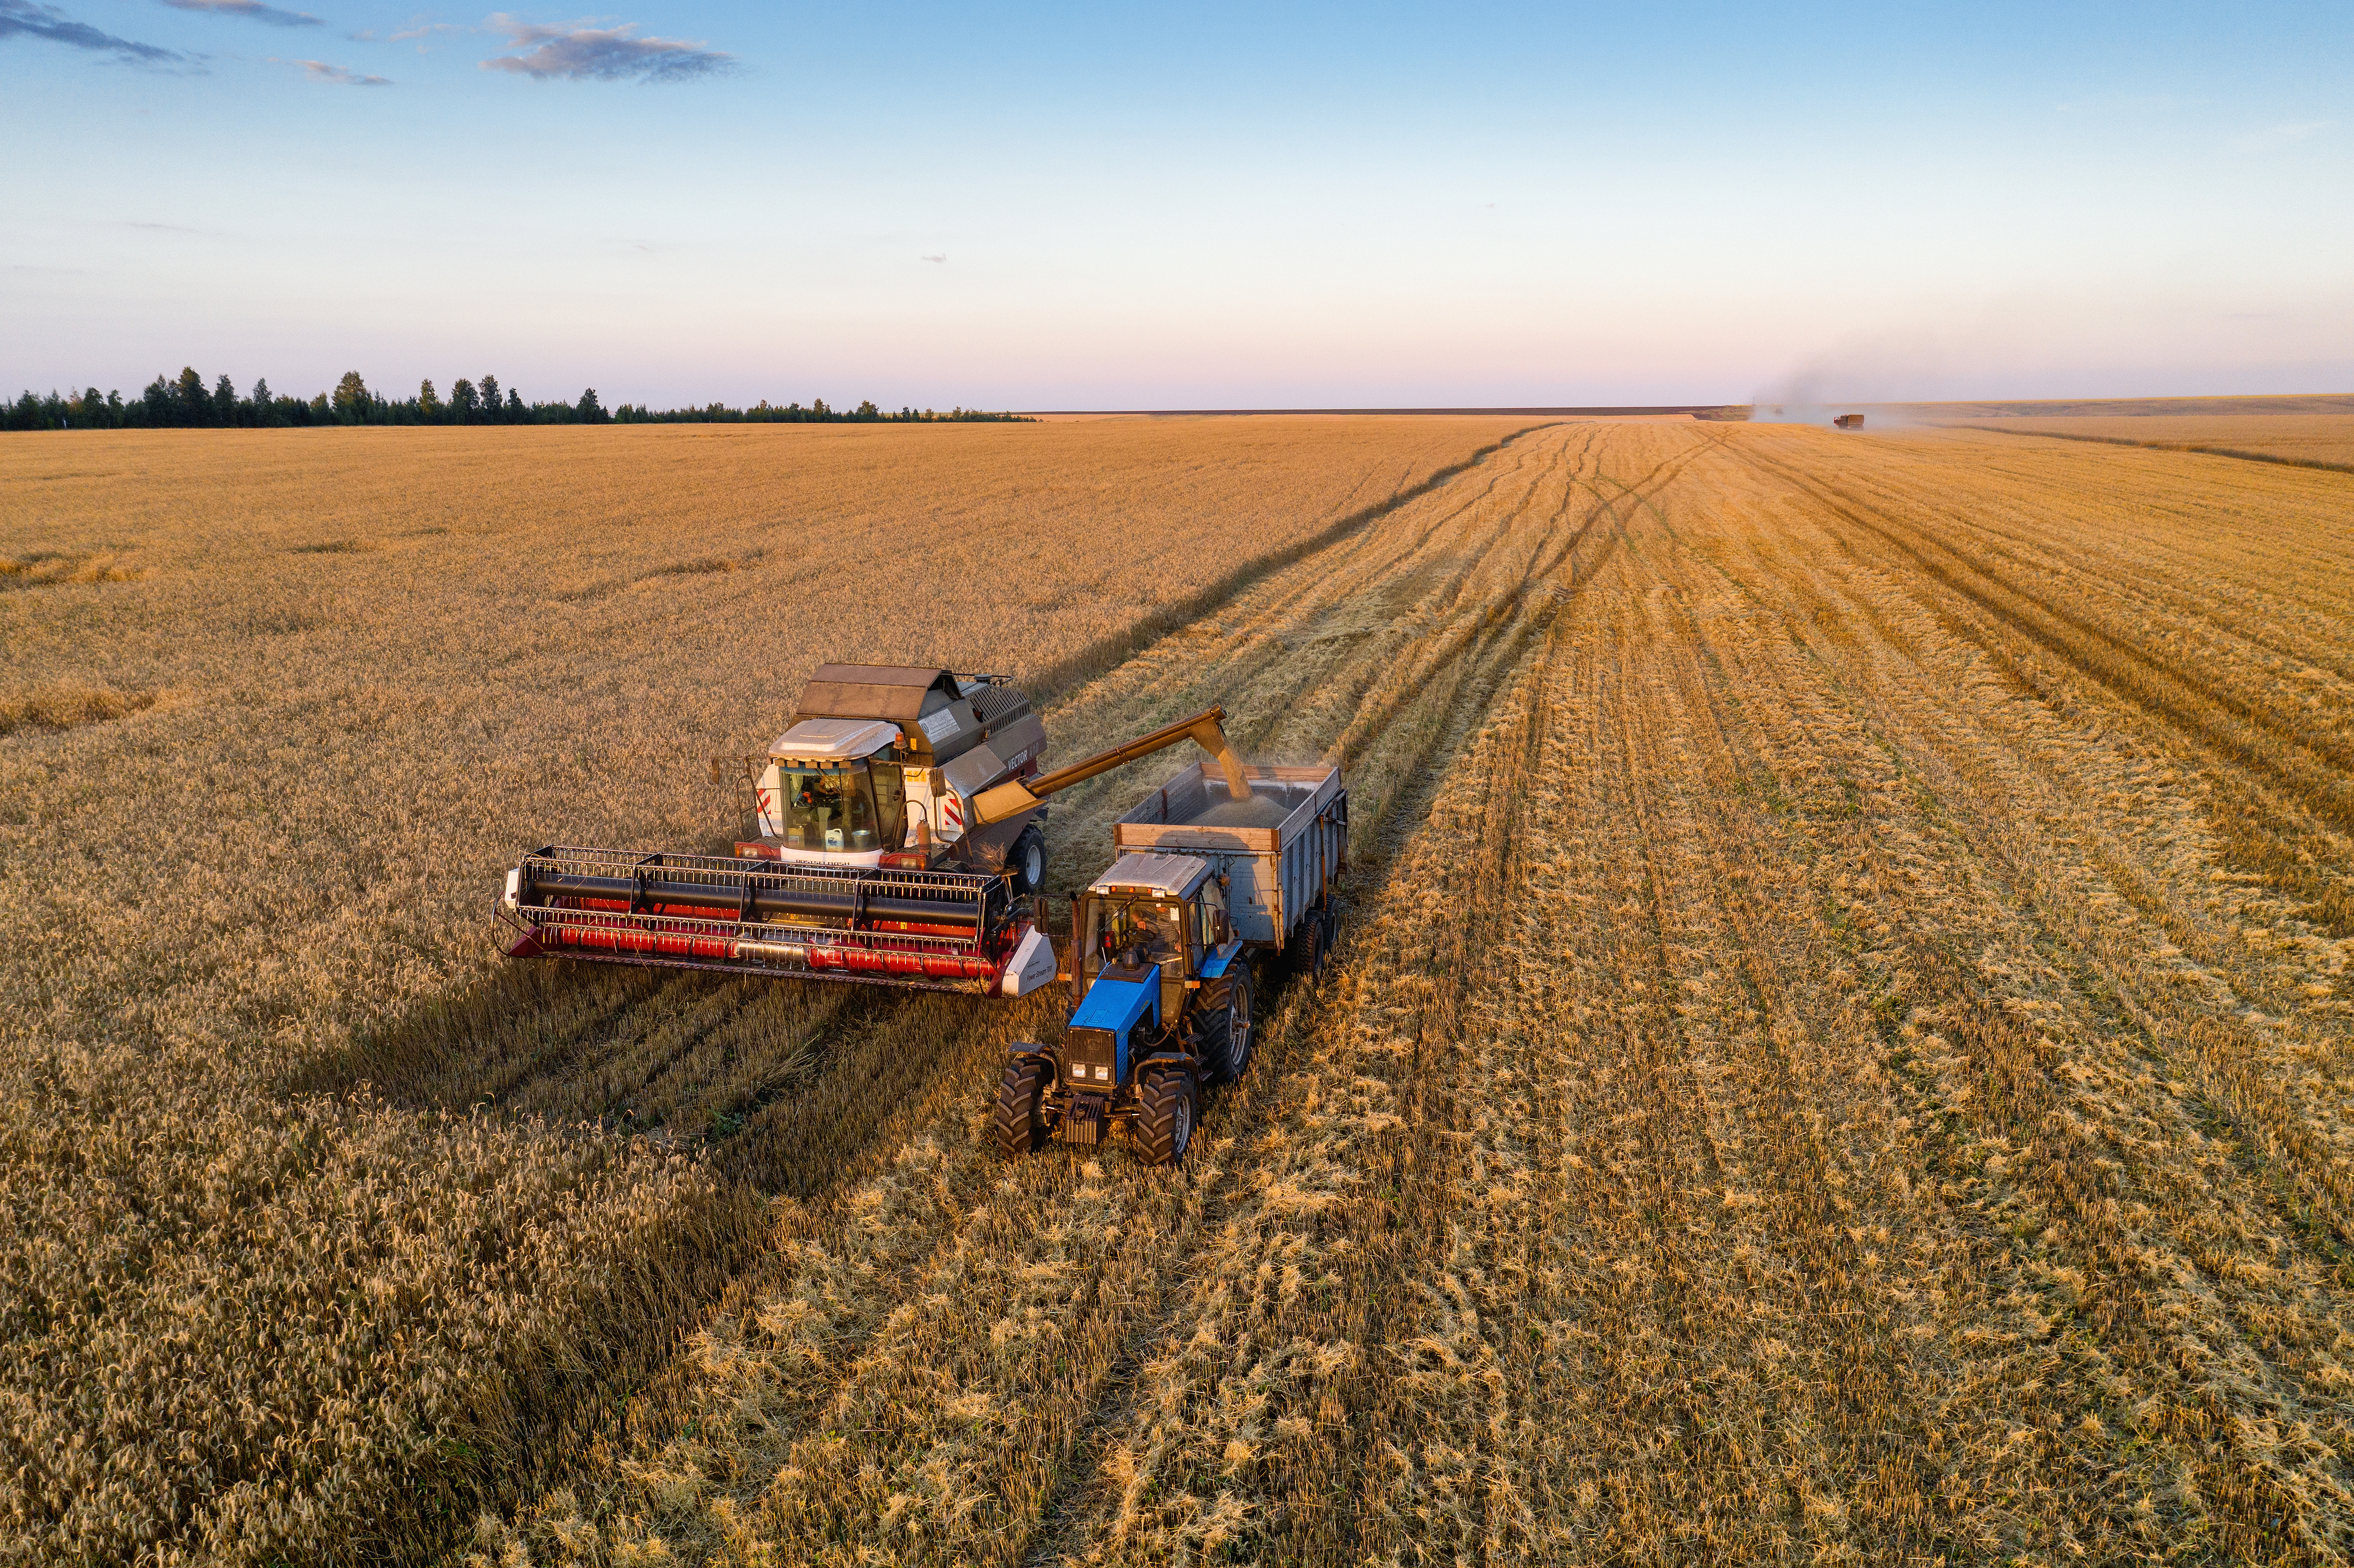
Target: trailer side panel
x: 1276, y: 867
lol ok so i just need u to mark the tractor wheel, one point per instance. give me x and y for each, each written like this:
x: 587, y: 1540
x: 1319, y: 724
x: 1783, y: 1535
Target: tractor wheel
x: 1164, y: 1115
x: 1227, y: 1028
x: 1025, y: 862
x: 1019, y: 1124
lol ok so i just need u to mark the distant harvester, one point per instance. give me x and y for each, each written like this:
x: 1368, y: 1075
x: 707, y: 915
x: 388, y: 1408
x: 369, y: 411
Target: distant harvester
x: 1848, y: 422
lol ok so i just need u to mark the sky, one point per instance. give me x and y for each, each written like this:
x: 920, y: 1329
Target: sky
x: 1194, y: 206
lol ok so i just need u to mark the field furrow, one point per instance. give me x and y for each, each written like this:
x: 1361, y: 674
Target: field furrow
x: 1842, y: 1048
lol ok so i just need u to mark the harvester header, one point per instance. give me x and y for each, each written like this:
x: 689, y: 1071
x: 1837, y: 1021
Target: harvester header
x: 899, y: 839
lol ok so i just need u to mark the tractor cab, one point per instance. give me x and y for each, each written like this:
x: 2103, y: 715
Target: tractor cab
x: 1165, y: 910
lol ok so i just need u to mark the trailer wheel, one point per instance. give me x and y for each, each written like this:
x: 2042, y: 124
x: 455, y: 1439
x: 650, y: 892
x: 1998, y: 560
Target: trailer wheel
x: 1227, y: 1028
x: 1313, y: 950
x: 1025, y: 862
x: 1308, y: 949
x: 1164, y: 1115
x: 1019, y: 1124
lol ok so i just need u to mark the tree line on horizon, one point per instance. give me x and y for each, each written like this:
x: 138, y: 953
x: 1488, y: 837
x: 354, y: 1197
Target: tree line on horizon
x: 184, y: 403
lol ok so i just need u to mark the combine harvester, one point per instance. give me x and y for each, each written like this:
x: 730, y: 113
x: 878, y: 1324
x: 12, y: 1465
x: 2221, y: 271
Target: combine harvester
x: 1163, y: 948
x: 901, y: 824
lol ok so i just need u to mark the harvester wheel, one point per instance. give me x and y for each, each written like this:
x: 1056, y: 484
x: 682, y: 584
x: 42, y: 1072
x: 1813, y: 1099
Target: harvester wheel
x: 1020, y: 1122
x: 1026, y: 862
x: 1227, y: 1028
x: 1164, y: 1115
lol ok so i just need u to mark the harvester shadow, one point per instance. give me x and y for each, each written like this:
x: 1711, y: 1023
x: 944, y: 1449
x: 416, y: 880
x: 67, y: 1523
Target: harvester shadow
x: 776, y: 1082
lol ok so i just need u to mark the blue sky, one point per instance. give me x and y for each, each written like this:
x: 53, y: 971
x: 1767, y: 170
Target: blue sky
x: 1186, y: 207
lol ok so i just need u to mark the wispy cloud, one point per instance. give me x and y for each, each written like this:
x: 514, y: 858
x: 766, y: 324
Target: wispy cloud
x: 427, y: 29
x: 2277, y: 136
x: 251, y: 10
x: 24, y: 19
x: 940, y: 258
x: 338, y: 76
x: 574, y: 51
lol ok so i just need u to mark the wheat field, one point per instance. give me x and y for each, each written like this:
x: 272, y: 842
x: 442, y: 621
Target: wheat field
x: 2325, y: 440
x: 1839, y: 1048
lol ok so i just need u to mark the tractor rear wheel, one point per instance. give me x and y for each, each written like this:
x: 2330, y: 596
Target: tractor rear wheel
x: 1019, y: 1123
x: 1164, y: 1115
x: 1227, y: 1027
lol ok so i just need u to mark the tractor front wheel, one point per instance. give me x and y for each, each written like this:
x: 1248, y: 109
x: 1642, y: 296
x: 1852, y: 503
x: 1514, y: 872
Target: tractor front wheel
x: 1019, y: 1123
x: 1164, y: 1115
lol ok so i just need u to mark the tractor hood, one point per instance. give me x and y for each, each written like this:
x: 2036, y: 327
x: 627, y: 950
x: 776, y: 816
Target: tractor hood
x: 1113, y: 1005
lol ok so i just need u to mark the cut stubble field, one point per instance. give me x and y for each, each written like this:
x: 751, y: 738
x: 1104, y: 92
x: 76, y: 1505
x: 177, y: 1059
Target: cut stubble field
x: 1840, y: 1051
x: 2315, y: 440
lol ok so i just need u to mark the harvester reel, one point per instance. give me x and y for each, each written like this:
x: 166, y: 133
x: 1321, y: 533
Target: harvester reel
x: 1019, y: 1122
x: 1165, y: 1113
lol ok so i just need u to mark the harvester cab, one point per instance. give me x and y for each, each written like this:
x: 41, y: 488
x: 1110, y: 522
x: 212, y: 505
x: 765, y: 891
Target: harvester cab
x: 1160, y: 1003
x: 879, y: 769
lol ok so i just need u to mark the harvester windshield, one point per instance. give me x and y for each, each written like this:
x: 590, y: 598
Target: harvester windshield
x: 837, y: 807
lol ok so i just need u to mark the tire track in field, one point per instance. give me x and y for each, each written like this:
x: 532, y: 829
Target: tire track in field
x: 1942, y: 1419
x: 945, y: 1240
x: 2268, y: 823
x: 1562, y: 1388
x: 2129, y: 874
x: 1236, y: 1441
x: 2183, y: 588
x: 2209, y: 529
x: 843, y: 1497
x: 2076, y: 1125
x: 2312, y: 770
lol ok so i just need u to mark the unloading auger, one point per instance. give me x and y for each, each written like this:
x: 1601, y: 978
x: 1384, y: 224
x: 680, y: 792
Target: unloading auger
x: 900, y: 840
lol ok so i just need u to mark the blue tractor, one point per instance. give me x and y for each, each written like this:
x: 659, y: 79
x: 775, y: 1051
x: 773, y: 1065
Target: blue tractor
x: 1160, y: 991
x: 1208, y: 883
